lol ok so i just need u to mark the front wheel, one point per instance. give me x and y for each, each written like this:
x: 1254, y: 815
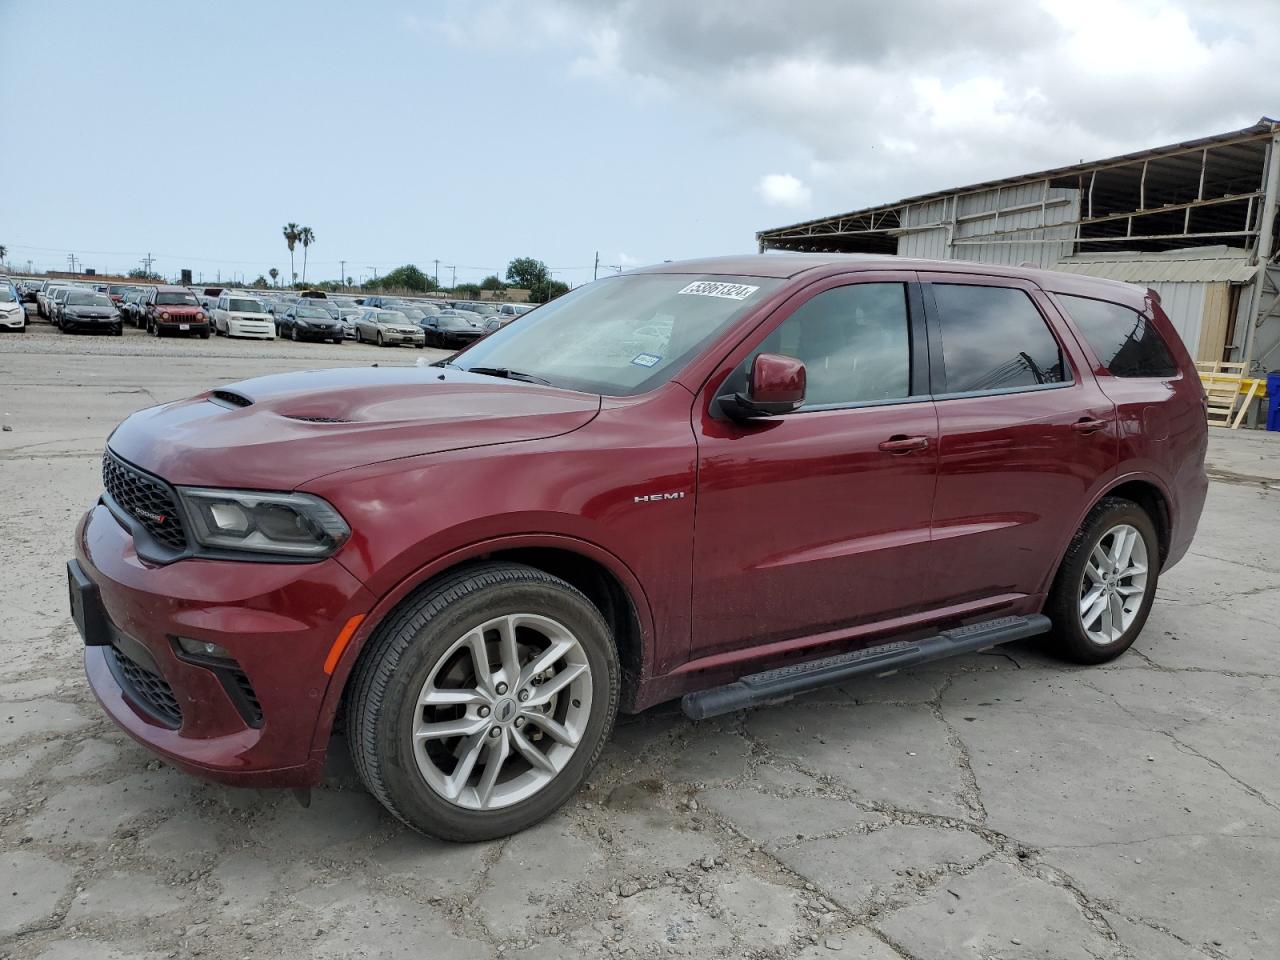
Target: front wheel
x: 480, y: 706
x: 1106, y: 584
x: 381, y: 340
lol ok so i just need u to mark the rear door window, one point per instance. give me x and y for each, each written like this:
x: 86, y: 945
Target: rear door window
x: 995, y: 339
x: 1126, y: 342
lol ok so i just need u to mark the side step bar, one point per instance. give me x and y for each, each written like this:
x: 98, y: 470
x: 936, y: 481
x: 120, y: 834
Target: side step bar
x: 782, y: 683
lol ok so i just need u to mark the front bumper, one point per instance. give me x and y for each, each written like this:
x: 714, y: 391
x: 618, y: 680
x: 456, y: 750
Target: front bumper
x: 264, y: 329
x: 277, y: 620
x: 15, y: 321
x: 459, y: 339
x: 334, y: 332
x: 396, y: 338
x: 183, y: 325
x: 90, y: 323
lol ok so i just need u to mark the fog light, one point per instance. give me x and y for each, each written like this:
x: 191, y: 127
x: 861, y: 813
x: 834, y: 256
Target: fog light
x: 202, y: 648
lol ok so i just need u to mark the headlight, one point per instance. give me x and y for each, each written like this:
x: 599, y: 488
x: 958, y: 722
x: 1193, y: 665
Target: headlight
x: 202, y: 315
x: 164, y: 315
x: 291, y: 524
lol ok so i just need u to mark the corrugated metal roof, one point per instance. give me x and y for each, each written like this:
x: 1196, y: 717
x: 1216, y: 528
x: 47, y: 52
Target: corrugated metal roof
x: 1264, y: 128
x: 1149, y: 269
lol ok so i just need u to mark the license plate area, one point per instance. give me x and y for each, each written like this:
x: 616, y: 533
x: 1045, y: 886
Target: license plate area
x: 184, y: 326
x: 86, y: 608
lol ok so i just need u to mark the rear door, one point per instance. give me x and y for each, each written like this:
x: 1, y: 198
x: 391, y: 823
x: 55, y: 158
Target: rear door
x: 1027, y: 437
x: 818, y: 520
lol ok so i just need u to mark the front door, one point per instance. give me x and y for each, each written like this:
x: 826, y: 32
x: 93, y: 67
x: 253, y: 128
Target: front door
x: 818, y: 520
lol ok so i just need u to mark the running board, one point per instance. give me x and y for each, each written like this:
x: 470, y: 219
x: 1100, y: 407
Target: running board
x: 782, y: 683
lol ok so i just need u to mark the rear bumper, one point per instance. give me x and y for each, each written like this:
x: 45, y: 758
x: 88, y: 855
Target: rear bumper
x: 278, y: 622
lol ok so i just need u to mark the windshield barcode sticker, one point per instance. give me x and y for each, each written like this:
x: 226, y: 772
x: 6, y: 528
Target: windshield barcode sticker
x: 726, y: 291
x: 647, y: 360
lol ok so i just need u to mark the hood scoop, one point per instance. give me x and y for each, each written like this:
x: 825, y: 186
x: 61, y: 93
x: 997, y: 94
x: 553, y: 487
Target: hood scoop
x: 305, y: 419
x: 229, y: 398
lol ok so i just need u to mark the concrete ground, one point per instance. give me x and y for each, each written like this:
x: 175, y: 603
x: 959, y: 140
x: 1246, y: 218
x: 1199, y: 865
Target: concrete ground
x: 999, y: 806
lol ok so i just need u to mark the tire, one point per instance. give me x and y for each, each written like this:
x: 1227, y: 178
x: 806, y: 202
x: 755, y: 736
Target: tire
x: 359, y: 336
x: 153, y: 328
x: 118, y: 330
x: 381, y: 340
x: 1103, y: 639
x: 425, y: 636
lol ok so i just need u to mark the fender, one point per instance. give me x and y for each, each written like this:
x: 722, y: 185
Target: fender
x: 389, y: 601
x: 1115, y: 481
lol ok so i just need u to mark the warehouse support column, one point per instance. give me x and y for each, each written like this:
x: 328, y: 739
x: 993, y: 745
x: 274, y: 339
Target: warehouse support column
x: 1263, y: 249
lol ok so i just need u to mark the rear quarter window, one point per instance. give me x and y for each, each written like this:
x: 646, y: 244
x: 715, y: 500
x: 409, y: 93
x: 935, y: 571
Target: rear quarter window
x: 1127, y: 342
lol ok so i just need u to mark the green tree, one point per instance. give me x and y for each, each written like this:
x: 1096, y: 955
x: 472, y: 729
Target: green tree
x: 469, y: 290
x: 137, y: 273
x: 290, y: 231
x: 492, y: 282
x: 273, y: 273
x: 553, y: 289
x: 528, y: 273
x: 4, y: 252
x: 260, y: 282
x: 407, y: 277
x: 306, y: 236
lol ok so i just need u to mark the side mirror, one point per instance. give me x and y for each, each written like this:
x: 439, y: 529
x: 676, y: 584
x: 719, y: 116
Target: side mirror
x: 776, y: 385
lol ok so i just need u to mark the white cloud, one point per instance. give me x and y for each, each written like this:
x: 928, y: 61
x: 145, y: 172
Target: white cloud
x: 784, y: 190
x: 884, y: 101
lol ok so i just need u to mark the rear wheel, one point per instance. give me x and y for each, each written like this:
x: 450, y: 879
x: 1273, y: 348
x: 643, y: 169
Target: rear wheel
x: 1104, y: 589
x: 483, y: 703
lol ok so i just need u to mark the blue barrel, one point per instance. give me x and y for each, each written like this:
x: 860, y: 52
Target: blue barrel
x: 1273, y: 400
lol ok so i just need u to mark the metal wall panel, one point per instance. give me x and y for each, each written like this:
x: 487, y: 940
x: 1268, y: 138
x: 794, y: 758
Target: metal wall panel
x: 1184, y: 303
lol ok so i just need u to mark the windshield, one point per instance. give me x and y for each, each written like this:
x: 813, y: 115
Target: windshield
x: 88, y: 300
x: 245, y: 306
x: 176, y: 299
x: 317, y: 313
x: 621, y: 335
x: 5, y: 294
x: 390, y: 317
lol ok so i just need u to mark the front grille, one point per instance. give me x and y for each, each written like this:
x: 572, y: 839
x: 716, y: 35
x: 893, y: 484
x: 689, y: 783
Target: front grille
x: 148, y: 690
x: 145, y: 498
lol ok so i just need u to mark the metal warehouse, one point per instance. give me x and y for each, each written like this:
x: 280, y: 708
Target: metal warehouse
x: 1194, y: 221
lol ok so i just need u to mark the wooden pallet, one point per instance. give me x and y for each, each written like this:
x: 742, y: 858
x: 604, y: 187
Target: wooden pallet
x: 1222, y: 381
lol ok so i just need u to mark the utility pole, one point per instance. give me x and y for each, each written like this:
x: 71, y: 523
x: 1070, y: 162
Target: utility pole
x: 146, y: 263
x: 342, y: 277
x: 375, y: 274
x: 595, y: 272
x: 437, y: 276
x: 453, y: 284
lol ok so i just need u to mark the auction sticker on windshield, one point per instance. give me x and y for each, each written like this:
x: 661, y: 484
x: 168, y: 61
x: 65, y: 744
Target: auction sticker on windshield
x: 726, y: 291
x: 647, y: 360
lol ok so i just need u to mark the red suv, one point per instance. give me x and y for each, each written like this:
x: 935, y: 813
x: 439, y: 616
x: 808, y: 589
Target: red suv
x: 726, y: 480
x: 167, y: 310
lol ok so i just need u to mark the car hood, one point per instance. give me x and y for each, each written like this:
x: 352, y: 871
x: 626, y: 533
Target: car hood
x: 281, y: 431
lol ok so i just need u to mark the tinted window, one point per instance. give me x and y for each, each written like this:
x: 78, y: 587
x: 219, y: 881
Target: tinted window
x: 176, y: 300
x: 854, y: 342
x: 993, y: 338
x: 1126, y: 342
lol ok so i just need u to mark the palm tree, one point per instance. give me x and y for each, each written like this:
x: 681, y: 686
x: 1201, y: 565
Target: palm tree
x: 273, y: 273
x: 290, y: 231
x: 308, y: 237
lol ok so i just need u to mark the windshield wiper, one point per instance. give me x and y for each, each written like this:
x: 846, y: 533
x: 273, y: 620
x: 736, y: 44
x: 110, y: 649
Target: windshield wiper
x: 508, y: 374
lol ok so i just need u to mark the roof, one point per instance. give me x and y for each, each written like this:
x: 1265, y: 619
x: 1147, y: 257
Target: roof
x: 779, y: 265
x: 1264, y: 128
x: 1193, y: 265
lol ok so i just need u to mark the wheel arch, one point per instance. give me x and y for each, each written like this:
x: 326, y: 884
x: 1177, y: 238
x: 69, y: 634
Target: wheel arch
x: 1144, y: 490
x: 602, y: 577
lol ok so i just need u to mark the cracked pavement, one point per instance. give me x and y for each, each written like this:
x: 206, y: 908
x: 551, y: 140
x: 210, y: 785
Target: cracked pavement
x: 1002, y: 805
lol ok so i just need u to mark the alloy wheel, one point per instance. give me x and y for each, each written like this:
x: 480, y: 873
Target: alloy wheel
x: 1114, y: 584
x: 502, y: 712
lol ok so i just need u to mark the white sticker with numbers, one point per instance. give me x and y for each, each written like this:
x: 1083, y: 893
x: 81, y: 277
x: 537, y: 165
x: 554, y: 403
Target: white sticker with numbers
x: 714, y: 288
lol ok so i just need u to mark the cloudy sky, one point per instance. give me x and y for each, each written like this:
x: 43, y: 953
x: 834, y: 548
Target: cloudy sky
x: 474, y: 131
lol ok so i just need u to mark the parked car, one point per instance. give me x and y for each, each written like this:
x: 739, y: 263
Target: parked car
x: 387, y: 328
x: 174, y: 310
x: 117, y: 291
x: 239, y: 315
x: 28, y: 289
x: 44, y: 299
x: 889, y: 462
x: 452, y: 328
x: 89, y: 310
x: 132, y: 309
x: 13, y: 316
x: 308, y: 321
x: 55, y: 301
x: 514, y: 310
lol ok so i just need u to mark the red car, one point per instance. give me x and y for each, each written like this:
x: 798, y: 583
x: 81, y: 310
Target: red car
x: 728, y: 480
x: 174, y: 310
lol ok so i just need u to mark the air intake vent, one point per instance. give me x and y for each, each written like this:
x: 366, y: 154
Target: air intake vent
x: 316, y: 419
x: 231, y: 399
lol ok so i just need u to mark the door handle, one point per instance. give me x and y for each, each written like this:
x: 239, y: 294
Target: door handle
x: 1089, y: 425
x: 900, y: 444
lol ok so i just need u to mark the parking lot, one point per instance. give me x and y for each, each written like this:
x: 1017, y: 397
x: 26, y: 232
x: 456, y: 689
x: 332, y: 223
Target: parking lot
x: 1003, y: 805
